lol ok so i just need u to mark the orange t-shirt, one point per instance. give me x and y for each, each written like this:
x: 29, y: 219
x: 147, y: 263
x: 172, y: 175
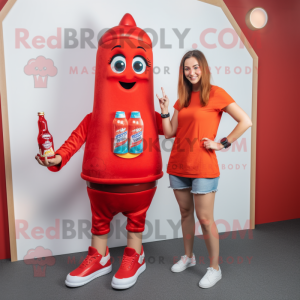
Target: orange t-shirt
x: 188, y: 157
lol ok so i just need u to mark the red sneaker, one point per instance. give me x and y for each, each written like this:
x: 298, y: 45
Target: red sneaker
x: 93, y: 266
x: 133, y: 264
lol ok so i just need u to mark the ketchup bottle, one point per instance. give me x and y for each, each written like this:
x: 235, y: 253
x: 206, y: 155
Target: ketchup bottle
x: 44, y: 139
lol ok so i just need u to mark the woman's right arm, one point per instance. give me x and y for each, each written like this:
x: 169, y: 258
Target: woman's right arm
x: 169, y: 127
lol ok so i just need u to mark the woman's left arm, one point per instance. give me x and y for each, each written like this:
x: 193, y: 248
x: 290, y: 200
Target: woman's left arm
x: 244, y: 122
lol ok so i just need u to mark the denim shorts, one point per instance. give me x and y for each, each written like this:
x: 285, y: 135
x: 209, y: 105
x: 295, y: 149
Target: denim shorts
x: 198, y: 185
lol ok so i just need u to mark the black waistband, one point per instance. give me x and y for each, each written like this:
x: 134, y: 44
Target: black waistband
x: 122, y: 188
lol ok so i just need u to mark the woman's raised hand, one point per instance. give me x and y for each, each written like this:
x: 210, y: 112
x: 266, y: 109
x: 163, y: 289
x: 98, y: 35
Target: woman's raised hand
x: 163, y: 102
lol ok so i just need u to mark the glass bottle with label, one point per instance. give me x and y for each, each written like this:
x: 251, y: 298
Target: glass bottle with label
x: 44, y: 139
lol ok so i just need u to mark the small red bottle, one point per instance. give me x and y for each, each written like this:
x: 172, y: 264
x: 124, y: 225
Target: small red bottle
x: 44, y: 139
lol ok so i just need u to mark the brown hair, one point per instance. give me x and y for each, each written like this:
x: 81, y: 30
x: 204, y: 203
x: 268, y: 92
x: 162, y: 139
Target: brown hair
x: 185, y: 87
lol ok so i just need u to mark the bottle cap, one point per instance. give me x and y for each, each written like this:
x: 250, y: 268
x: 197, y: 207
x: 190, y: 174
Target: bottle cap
x: 120, y: 114
x: 41, y: 113
x: 135, y: 114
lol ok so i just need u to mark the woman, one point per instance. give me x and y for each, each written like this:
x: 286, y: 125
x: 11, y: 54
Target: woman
x: 193, y: 167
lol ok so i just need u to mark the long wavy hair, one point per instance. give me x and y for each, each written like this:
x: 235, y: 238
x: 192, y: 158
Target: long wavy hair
x: 185, y: 87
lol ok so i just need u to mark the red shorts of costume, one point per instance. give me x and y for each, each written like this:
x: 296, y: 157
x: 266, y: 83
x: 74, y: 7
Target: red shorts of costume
x: 105, y: 205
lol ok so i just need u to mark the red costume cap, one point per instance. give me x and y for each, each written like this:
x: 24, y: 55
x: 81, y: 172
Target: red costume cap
x: 132, y: 32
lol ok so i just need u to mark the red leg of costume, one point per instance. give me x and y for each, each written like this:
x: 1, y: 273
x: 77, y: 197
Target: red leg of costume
x: 105, y: 205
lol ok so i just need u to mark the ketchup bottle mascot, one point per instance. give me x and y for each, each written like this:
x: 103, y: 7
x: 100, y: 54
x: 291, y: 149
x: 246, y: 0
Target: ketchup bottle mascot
x: 117, y: 183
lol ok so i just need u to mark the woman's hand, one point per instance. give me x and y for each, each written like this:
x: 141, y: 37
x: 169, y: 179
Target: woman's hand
x: 49, y: 162
x: 209, y: 144
x: 163, y: 102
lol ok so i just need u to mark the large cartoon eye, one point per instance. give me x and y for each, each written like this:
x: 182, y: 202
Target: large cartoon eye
x: 118, y: 63
x: 45, y: 68
x: 36, y: 68
x: 139, y: 64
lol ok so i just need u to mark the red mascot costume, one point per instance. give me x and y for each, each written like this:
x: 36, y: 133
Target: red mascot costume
x: 117, y: 183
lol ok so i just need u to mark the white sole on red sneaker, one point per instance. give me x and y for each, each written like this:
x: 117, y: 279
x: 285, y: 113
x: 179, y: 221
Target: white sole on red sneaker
x: 76, y: 281
x: 126, y: 283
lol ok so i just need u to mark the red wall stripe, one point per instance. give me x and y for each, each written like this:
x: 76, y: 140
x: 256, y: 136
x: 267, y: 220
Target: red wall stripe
x: 4, y: 234
x: 277, y: 157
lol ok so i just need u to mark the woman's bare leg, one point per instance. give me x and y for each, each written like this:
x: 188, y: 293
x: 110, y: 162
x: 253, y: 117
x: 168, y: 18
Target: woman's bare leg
x: 204, y: 206
x: 186, y: 205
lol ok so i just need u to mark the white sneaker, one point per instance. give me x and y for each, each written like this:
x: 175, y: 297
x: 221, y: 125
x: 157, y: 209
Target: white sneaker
x: 211, y: 277
x: 183, y: 263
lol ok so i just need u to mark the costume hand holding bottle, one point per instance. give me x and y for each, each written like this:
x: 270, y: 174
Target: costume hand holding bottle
x: 46, y: 156
x: 49, y: 162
